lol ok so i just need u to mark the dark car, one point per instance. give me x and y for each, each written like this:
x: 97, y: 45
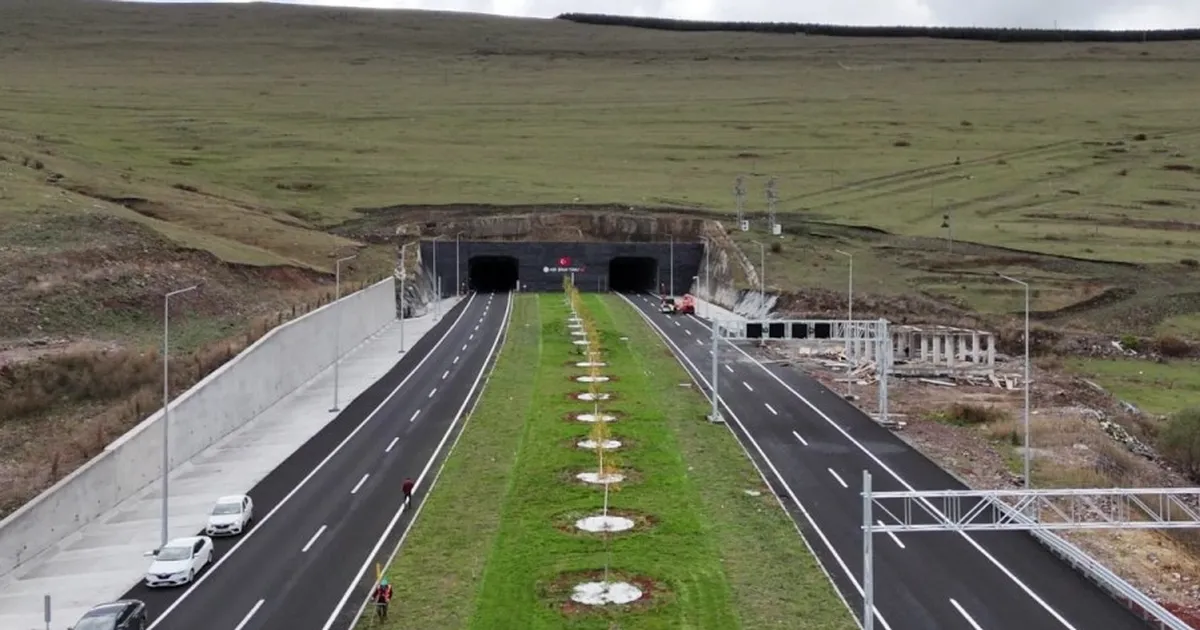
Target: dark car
x: 126, y: 614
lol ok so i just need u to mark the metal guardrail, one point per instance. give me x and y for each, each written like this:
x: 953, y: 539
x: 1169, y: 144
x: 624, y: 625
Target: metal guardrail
x: 1117, y: 588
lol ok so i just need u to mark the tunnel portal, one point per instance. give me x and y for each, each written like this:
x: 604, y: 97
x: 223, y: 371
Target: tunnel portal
x: 495, y: 274
x: 632, y: 274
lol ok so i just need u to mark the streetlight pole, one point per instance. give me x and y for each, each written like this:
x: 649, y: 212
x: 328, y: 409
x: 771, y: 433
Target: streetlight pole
x: 707, y: 271
x: 851, y: 342
x: 166, y: 420
x: 1025, y: 420
x: 457, y: 266
x: 672, y: 265
x: 762, y: 271
x: 337, y: 328
x: 403, y: 274
x: 437, y: 283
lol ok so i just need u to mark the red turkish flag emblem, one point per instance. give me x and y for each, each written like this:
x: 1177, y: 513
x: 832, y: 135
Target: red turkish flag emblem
x: 565, y: 261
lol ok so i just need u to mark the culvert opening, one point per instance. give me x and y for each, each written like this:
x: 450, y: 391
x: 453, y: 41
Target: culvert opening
x: 632, y: 274
x: 492, y: 273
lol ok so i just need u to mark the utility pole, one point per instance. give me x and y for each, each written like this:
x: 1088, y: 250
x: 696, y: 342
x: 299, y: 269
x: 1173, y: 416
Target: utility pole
x: 166, y: 420
x: 337, y: 328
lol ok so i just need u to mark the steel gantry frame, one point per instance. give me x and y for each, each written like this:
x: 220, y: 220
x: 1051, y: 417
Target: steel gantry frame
x: 1034, y: 511
x: 872, y: 331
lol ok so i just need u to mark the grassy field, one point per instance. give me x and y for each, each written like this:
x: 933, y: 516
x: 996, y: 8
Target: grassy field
x: 345, y: 109
x: 1157, y: 388
x: 1076, y: 149
x: 488, y: 539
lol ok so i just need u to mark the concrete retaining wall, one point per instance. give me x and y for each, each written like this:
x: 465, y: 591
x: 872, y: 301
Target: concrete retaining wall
x: 277, y: 364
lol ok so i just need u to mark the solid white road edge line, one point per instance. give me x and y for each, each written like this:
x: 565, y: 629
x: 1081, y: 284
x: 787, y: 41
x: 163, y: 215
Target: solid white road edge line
x: 929, y: 506
x: 312, y: 540
x: 964, y: 614
x: 893, y: 535
x: 391, y: 444
x: 360, y: 483
x: 838, y: 477
x: 250, y: 614
x: 395, y: 519
x: 799, y: 438
x: 311, y: 474
x: 699, y: 378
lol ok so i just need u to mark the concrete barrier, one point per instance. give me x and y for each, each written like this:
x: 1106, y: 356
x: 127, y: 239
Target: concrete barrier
x: 274, y: 366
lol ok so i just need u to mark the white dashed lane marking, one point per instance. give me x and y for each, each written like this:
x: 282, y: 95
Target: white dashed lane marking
x: 839, y: 479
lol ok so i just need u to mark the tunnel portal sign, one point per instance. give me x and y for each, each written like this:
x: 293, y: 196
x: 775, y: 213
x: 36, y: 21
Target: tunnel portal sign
x: 564, y: 266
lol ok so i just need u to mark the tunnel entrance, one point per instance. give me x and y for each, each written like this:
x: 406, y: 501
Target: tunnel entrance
x: 630, y: 274
x: 492, y: 273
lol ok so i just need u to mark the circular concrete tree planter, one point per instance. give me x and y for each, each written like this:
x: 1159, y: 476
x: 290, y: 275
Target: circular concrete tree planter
x: 602, y: 524
x: 605, y: 593
x: 590, y: 445
x: 600, y: 479
x: 591, y: 417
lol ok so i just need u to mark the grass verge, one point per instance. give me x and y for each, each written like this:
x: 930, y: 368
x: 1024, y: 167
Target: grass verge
x: 486, y: 553
x: 776, y: 582
x: 1158, y: 388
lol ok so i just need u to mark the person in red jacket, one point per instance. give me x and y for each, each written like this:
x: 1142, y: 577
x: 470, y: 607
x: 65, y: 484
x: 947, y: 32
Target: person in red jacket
x: 382, y: 597
x: 408, y: 488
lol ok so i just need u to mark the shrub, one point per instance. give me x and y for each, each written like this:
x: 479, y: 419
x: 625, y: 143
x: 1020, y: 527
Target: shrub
x: 1131, y: 342
x: 1171, y: 346
x: 1179, y: 441
x: 1189, y: 262
x: 968, y: 414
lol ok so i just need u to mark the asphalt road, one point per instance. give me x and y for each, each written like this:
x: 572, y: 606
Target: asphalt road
x: 813, y: 447
x: 321, y: 515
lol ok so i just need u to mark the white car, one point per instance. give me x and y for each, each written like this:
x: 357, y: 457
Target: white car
x: 230, y: 516
x: 180, y: 561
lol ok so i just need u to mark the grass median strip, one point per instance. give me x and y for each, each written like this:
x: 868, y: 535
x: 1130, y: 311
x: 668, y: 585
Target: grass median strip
x: 496, y: 545
x: 775, y: 580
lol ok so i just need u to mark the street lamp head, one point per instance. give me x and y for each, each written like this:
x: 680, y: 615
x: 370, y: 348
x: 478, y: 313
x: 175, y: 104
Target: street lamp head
x: 846, y: 254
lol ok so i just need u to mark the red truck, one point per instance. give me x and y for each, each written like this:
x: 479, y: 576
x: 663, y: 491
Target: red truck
x: 685, y: 305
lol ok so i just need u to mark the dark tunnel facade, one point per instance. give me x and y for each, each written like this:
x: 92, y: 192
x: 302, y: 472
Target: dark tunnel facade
x: 541, y: 265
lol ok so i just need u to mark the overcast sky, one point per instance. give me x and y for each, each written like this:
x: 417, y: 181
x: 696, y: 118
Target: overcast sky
x: 1102, y: 14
